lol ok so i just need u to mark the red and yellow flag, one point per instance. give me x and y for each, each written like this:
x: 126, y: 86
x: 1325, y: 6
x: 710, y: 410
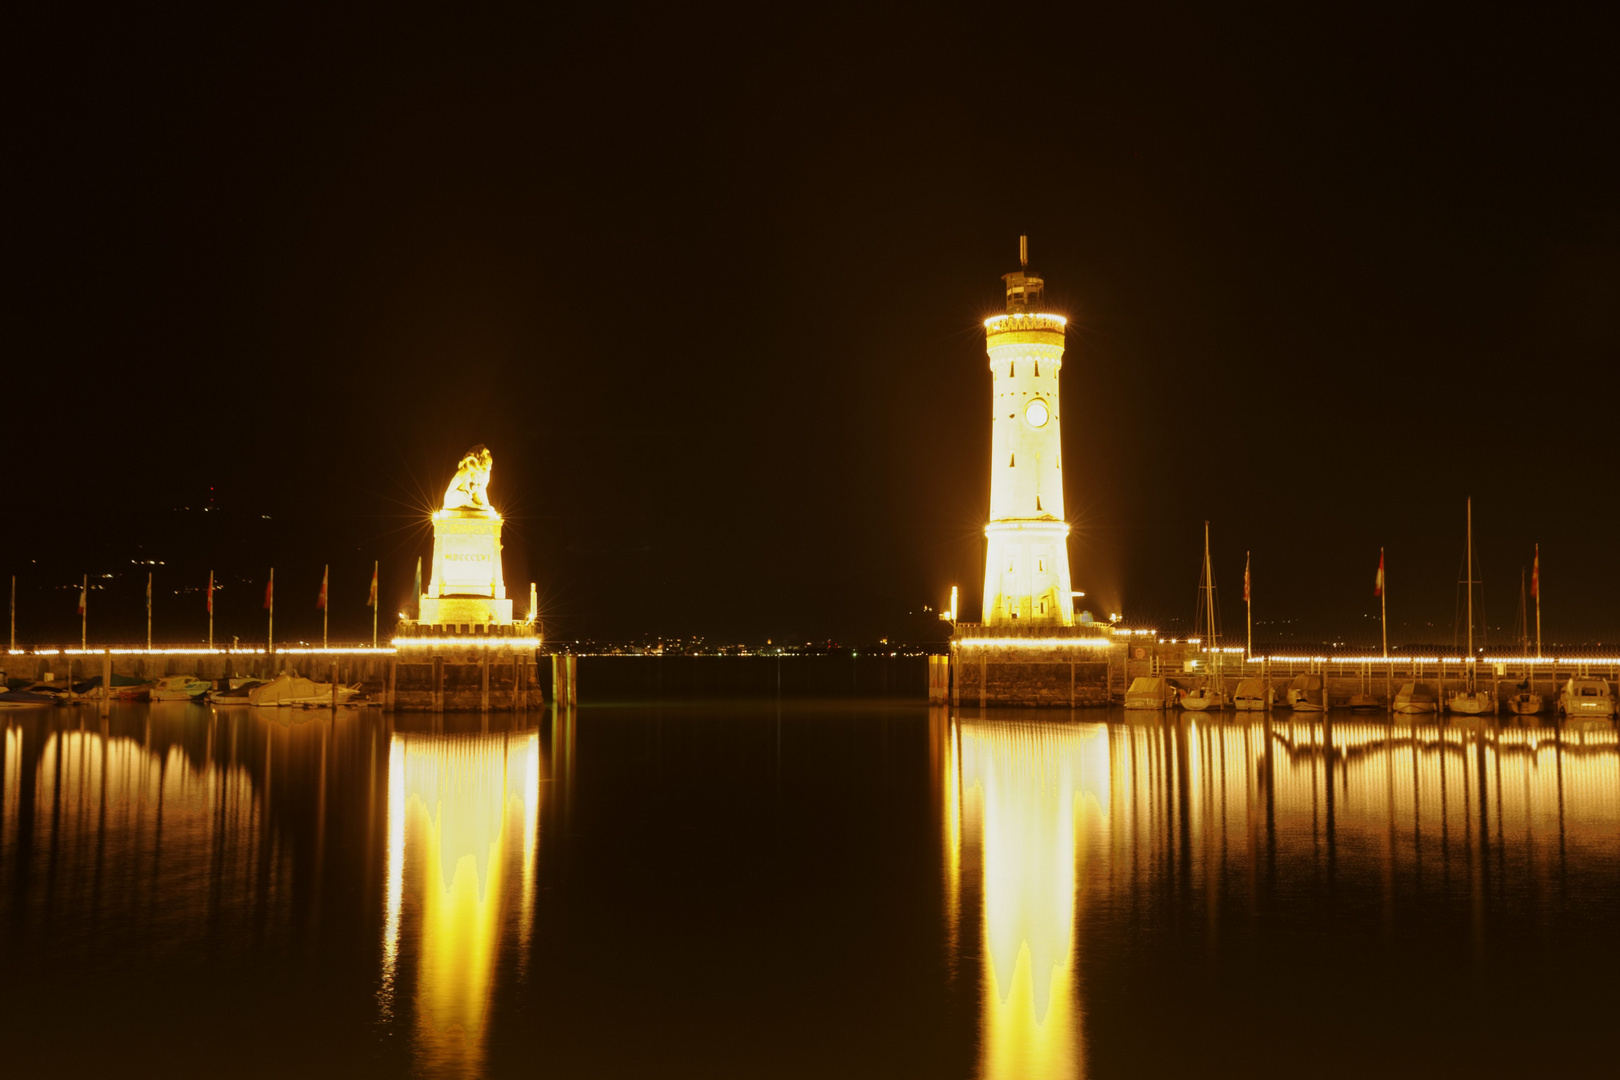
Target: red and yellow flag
x: 320, y: 601
x: 1378, y: 582
x: 1535, y: 575
x: 372, y: 600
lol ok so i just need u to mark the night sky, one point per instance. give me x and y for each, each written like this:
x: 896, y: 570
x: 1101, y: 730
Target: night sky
x: 710, y: 283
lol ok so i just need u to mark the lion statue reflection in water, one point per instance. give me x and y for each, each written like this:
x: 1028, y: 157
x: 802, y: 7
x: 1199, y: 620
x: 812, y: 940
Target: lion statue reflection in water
x: 469, y: 489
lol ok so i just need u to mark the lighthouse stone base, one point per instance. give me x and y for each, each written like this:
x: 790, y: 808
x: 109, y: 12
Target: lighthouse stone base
x: 1032, y: 666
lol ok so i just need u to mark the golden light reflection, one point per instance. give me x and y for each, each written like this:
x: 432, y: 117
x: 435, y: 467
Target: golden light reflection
x: 1031, y: 799
x: 117, y: 826
x: 463, y: 821
x: 1045, y: 823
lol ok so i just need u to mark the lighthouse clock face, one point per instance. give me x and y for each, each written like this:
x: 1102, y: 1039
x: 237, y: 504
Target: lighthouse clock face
x: 1036, y: 413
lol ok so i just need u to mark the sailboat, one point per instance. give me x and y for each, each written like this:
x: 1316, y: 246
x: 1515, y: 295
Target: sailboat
x: 1471, y: 700
x: 1415, y: 697
x: 1527, y: 702
x: 1211, y: 694
x: 1363, y: 700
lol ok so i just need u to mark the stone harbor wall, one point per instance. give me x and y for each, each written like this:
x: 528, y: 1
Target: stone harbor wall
x: 463, y: 681
x: 1025, y: 680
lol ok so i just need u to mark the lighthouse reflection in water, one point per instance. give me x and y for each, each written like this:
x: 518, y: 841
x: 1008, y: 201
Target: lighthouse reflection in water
x: 1024, y: 804
x: 1208, y: 859
x: 463, y: 818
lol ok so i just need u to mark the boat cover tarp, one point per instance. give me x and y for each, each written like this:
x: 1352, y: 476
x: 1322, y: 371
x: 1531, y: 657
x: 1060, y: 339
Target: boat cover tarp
x: 1148, y: 688
x: 1251, y: 688
x: 284, y: 688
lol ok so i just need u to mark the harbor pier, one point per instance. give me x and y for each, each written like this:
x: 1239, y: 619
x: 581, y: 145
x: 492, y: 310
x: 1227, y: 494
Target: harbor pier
x: 436, y: 675
x: 1089, y: 665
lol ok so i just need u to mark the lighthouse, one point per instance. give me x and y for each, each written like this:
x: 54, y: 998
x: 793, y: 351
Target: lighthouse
x: 1026, y: 570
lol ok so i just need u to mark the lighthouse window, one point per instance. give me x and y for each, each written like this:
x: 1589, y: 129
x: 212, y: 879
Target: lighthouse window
x: 1040, y: 564
x: 1012, y: 369
x: 1043, y: 607
x: 1037, y: 504
x: 1037, y: 369
x: 1012, y: 461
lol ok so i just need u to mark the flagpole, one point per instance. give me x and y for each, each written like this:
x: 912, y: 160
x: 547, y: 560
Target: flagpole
x: 1537, y: 583
x: 1248, y: 607
x: 375, y: 602
x: 270, y: 602
x: 326, y: 608
x: 1383, y: 603
x: 210, y: 611
x: 14, y: 613
x: 84, y: 612
x: 149, y: 611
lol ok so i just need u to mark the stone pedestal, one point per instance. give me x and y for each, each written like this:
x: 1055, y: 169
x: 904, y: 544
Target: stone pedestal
x: 467, y: 586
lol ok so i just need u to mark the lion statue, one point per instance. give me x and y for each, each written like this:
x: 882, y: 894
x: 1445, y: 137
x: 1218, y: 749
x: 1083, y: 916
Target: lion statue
x: 469, y: 488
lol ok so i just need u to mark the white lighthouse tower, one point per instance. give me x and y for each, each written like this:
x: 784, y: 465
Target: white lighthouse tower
x: 1026, y: 570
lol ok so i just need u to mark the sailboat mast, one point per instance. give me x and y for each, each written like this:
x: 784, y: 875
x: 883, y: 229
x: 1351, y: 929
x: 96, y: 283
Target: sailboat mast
x: 1209, y: 594
x: 1538, y: 600
x: 1522, y: 629
x: 1383, y: 602
x: 1470, y: 669
x: 1248, y: 611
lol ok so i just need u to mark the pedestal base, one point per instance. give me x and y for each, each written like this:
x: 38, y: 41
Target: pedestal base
x: 464, y: 610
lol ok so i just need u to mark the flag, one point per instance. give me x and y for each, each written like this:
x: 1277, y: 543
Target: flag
x: 270, y: 591
x: 1245, y: 577
x: 210, y: 592
x: 1378, y: 582
x: 372, y: 601
x: 1535, y: 575
x: 81, y: 600
x: 320, y: 601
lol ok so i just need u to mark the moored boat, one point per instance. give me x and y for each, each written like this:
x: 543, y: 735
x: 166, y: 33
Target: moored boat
x: 1253, y: 695
x: 1415, y: 697
x: 180, y: 688
x: 1203, y: 699
x: 1525, y: 703
x: 1307, y: 694
x: 1586, y: 697
x: 127, y: 687
x: 25, y: 699
x: 1150, y: 692
x: 1471, y: 700
x: 1210, y: 693
x: 287, y: 689
x: 235, y: 692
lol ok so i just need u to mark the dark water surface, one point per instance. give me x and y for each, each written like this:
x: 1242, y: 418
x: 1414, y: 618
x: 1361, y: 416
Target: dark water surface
x: 810, y: 889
